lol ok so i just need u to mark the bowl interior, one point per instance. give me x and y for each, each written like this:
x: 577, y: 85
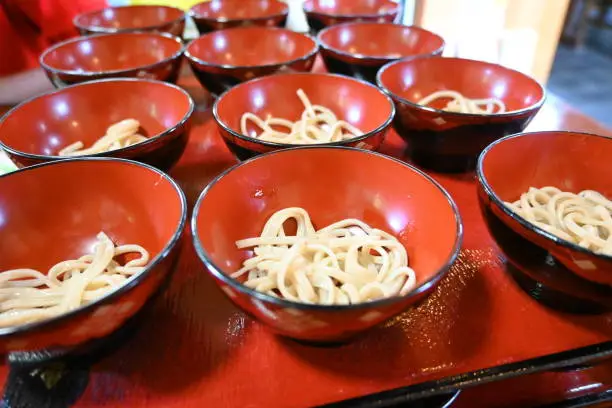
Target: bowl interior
x: 111, y: 52
x: 129, y: 17
x: 415, y: 79
x: 47, y: 124
x: 54, y: 212
x: 251, y: 46
x: 392, y: 40
x: 358, y: 103
x: 548, y: 159
x: 331, y: 184
x: 223, y: 10
x: 350, y: 7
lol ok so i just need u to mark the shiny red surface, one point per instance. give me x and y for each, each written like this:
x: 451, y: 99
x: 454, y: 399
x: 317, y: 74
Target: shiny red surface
x: 396, y: 41
x: 251, y: 47
x: 325, y: 13
x: 354, y: 8
x: 220, y: 14
x: 222, y: 59
x: 36, y: 130
x: 451, y: 141
x: 415, y: 79
x: 362, y: 105
x: 198, y: 350
x: 54, y: 212
x: 148, y: 54
x: 131, y: 18
x: 548, y: 159
x: 407, y: 205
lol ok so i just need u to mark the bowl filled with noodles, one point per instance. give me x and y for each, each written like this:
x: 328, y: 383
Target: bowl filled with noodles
x: 139, y: 54
x: 220, y: 14
x: 297, y: 109
x: 551, y: 213
x: 360, y: 49
x: 86, y: 242
x: 224, y: 58
x: 450, y: 109
x: 322, y: 243
x: 157, y: 18
x: 140, y: 119
x: 325, y: 13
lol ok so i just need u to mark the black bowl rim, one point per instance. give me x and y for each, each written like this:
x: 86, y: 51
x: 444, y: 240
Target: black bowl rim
x: 533, y: 107
x: 87, y: 74
x: 482, y: 179
x: 110, y: 153
x: 325, y: 46
x: 132, y: 282
x: 218, y: 273
x: 109, y: 30
x: 227, y: 128
x: 197, y: 61
x: 395, y: 10
x: 193, y: 14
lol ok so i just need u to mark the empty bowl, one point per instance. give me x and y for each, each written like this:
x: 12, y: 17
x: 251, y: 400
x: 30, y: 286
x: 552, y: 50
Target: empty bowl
x: 356, y: 102
x: 325, y: 13
x: 37, y: 129
x: 53, y: 212
x: 142, y: 55
x: 509, y: 167
x: 220, y: 14
x: 331, y: 184
x: 162, y: 19
x: 361, y: 49
x: 225, y: 58
x: 451, y: 141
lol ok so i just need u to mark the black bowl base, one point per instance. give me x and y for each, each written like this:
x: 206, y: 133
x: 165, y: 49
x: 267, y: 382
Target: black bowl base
x: 443, y: 163
x: 552, y: 298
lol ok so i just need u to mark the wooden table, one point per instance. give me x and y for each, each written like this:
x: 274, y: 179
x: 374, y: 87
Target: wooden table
x: 179, y: 357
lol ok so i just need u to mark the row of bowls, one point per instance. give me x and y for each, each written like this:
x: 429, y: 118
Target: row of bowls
x: 362, y: 184
x: 224, y: 58
x: 236, y: 64
x: 220, y: 14
x: 137, y: 203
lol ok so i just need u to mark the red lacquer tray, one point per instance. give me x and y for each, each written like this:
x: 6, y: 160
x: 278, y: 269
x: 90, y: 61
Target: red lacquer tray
x: 197, y: 350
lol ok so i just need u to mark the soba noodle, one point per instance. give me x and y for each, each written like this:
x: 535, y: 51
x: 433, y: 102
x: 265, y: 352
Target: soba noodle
x: 317, y: 124
x: 27, y: 295
x: 121, y: 134
x: 584, y: 218
x: 462, y: 104
x: 346, y: 262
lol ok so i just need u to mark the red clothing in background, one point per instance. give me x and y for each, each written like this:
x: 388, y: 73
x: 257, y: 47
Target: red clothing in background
x: 28, y: 27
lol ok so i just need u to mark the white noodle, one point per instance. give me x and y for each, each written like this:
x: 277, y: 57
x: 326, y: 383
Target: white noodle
x: 345, y: 262
x: 121, y: 134
x: 584, y: 218
x: 317, y: 124
x: 462, y: 104
x: 27, y: 295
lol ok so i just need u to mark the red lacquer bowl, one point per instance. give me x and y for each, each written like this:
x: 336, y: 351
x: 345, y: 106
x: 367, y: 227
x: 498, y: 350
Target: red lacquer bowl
x: 324, y: 13
x: 361, y: 49
x: 53, y: 212
x: 331, y: 183
x: 508, y: 167
x: 357, y: 102
x: 225, y: 58
x: 447, y: 141
x: 34, y: 131
x: 132, y: 18
x: 220, y: 14
x: 138, y: 54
